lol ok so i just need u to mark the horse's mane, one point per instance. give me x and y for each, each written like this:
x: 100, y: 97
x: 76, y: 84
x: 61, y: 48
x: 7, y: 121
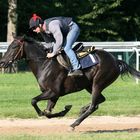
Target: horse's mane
x: 31, y: 40
x: 34, y: 41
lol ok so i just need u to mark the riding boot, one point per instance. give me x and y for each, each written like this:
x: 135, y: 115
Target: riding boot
x: 75, y: 73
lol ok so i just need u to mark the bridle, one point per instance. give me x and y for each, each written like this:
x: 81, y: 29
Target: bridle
x: 20, y: 50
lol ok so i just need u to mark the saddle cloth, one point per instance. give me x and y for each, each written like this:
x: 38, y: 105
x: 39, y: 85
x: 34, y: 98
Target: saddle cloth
x: 88, y: 61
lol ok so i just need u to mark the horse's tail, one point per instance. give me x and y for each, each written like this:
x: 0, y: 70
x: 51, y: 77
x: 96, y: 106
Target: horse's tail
x: 127, y: 69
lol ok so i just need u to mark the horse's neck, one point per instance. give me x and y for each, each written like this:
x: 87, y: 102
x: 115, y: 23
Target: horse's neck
x: 35, y: 66
x: 35, y: 57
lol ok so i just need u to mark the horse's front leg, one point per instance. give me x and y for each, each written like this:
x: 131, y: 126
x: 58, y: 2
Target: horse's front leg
x: 50, y: 106
x: 46, y: 95
x: 52, y: 99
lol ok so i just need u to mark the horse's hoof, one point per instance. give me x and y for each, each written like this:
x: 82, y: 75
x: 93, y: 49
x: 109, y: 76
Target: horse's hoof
x: 68, y: 107
x: 41, y: 114
x: 71, y: 129
x: 41, y: 117
x: 76, y: 123
x: 46, y: 112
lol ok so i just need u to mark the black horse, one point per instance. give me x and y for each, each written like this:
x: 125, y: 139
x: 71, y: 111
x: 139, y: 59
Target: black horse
x: 54, y: 82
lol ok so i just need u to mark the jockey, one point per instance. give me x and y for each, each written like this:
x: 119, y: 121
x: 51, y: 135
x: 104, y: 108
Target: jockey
x: 64, y: 33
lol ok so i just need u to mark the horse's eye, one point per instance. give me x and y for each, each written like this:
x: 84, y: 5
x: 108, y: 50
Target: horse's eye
x: 15, y: 45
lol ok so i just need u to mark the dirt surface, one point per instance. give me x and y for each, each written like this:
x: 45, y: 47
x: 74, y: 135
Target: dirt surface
x: 43, y: 126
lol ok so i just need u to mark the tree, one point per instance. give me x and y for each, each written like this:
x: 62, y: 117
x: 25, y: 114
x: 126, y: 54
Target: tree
x: 99, y: 20
x: 12, y: 19
x: 129, y: 26
x: 3, y: 19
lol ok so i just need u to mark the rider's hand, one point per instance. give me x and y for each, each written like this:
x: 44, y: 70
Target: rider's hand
x: 49, y: 55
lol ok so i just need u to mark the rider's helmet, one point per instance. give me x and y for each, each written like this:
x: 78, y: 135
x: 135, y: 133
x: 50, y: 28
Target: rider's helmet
x: 35, y: 21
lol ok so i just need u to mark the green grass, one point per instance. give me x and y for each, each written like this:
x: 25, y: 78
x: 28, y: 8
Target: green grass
x: 17, y: 90
x: 74, y: 136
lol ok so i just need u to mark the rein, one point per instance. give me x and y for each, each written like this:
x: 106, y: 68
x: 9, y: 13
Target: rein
x: 20, y: 51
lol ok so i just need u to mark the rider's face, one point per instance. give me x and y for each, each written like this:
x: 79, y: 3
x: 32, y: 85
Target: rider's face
x: 37, y: 30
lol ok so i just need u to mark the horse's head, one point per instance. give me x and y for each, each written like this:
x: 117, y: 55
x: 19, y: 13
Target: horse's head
x: 22, y: 47
x: 14, y: 51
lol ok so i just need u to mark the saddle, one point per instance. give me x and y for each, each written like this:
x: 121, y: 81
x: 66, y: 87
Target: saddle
x: 82, y: 54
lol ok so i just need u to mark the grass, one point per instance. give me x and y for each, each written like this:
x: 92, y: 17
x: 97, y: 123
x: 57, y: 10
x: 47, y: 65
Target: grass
x: 74, y: 136
x: 17, y: 90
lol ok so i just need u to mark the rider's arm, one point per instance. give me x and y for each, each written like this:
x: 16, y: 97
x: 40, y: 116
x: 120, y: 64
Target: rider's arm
x: 55, y: 29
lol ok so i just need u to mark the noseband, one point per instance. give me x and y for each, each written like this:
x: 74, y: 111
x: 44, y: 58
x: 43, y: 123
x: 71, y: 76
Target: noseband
x: 20, y: 50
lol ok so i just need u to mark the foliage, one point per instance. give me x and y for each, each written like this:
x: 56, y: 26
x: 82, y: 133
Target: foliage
x: 99, y: 20
x: 110, y: 20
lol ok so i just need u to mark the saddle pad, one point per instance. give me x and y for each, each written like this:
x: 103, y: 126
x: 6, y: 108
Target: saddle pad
x: 88, y: 61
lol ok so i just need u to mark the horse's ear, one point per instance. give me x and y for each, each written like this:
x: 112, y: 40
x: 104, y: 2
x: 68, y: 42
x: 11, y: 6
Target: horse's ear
x: 14, y: 35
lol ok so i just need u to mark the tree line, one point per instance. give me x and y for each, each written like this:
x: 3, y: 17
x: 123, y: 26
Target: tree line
x: 99, y: 20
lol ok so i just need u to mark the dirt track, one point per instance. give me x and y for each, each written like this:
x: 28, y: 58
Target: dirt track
x: 46, y: 126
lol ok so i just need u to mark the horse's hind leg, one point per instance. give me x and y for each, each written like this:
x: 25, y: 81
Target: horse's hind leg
x: 101, y: 99
x: 93, y: 106
x: 101, y: 81
x: 84, y: 109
